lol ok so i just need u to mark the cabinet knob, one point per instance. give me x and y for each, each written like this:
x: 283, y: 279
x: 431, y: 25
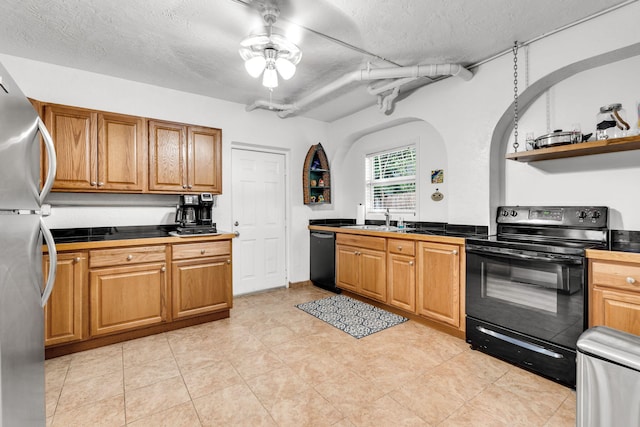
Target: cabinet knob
x: 455, y: 252
x: 163, y: 269
x: 100, y: 184
x: 77, y: 259
x: 190, y: 186
x: 184, y: 185
x: 93, y: 183
x: 631, y: 280
x: 399, y: 248
x: 410, y: 262
x: 228, y: 261
x: 202, y: 251
x: 129, y: 257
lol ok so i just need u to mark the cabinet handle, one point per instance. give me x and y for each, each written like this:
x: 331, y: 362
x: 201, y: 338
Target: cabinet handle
x: 455, y: 252
x: 100, y: 184
x: 163, y: 269
x: 202, y: 251
x: 631, y: 280
x: 129, y: 257
x: 77, y: 259
x: 189, y: 186
x: 410, y: 262
x: 93, y: 183
x: 399, y: 248
x: 184, y: 185
x: 228, y: 261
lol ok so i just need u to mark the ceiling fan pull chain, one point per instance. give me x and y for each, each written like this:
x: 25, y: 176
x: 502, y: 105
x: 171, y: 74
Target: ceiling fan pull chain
x: 515, y: 96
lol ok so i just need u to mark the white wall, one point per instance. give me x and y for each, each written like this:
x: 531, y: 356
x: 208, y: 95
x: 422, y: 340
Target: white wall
x: 63, y: 85
x: 465, y: 114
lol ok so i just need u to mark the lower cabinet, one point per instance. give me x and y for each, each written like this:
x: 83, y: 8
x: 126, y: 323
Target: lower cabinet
x: 401, y: 274
x: 361, y: 265
x: 122, y: 296
x: 201, y: 278
x: 64, y: 316
x: 615, y: 295
x: 438, y: 282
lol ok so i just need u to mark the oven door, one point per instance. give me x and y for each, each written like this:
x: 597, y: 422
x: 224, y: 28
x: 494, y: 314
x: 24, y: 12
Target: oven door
x: 531, y: 293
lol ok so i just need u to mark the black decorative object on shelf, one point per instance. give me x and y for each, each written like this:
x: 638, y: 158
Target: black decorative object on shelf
x: 316, y: 177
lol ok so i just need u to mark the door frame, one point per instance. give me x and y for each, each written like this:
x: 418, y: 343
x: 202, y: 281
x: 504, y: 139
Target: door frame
x: 235, y: 145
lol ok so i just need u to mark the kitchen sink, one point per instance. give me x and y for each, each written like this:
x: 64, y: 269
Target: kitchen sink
x: 374, y: 227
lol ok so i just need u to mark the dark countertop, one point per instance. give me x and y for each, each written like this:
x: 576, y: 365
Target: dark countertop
x: 625, y: 241
x: 100, y: 234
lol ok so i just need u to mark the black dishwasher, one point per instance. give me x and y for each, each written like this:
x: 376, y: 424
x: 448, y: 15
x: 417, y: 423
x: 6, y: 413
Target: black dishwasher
x: 323, y: 260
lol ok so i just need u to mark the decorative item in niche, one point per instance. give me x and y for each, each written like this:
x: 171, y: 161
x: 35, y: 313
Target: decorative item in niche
x: 437, y: 196
x: 437, y: 176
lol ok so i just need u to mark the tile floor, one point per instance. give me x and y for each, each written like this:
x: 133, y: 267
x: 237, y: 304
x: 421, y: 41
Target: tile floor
x: 271, y: 364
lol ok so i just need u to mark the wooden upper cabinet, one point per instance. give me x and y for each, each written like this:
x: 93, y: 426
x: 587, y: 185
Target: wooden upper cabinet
x: 97, y: 151
x: 121, y: 152
x: 184, y: 158
x: 167, y: 156
x: 204, y: 160
x: 75, y: 139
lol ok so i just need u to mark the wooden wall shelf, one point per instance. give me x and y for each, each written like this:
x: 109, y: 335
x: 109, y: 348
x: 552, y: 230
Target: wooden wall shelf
x: 316, y: 177
x: 576, y: 150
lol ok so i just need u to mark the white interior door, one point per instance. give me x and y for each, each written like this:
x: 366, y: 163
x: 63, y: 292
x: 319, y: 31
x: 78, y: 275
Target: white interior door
x: 258, y: 198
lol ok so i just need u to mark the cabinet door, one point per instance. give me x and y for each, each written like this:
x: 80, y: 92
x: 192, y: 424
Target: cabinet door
x: 121, y: 152
x: 439, y: 282
x: 204, y: 160
x: 125, y: 298
x: 200, y: 286
x: 347, y: 268
x: 373, y: 279
x: 401, y: 273
x: 74, y: 137
x: 167, y: 157
x: 616, y: 309
x: 63, y: 313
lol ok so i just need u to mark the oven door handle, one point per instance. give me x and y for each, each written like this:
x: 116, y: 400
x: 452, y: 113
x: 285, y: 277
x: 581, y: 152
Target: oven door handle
x: 557, y: 259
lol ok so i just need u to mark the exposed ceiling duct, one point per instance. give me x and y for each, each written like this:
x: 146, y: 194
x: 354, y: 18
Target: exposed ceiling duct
x: 401, y: 76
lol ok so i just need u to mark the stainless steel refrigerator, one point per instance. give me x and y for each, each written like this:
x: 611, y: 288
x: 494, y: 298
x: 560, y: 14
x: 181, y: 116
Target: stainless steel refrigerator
x: 22, y: 292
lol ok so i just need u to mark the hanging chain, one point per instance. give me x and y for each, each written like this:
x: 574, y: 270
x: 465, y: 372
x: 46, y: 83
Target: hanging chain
x: 515, y: 96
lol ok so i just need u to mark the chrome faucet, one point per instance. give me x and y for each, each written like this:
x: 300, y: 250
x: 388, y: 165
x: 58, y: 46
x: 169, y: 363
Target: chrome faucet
x: 387, y: 218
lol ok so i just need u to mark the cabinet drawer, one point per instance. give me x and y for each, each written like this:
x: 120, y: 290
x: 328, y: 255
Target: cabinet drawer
x: 369, y: 242
x: 402, y: 247
x: 200, y: 250
x: 124, y: 256
x: 617, y: 275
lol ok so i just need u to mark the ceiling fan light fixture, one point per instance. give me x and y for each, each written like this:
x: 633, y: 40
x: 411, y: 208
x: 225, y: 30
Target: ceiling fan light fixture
x: 270, y: 78
x: 285, y: 67
x: 255, y: 66
x: 270, y: 51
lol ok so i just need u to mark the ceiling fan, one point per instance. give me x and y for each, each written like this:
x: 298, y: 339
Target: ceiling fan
x: 267, y: 51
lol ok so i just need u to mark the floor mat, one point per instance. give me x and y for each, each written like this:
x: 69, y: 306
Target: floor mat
x: 354, y: 317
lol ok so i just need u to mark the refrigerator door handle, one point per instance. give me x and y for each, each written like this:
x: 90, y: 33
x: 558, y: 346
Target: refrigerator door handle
x: 53, y: 262
x: 52, y: 162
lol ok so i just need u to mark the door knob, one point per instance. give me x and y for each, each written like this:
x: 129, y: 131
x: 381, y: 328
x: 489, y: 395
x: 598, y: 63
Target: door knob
x: 236, y: 223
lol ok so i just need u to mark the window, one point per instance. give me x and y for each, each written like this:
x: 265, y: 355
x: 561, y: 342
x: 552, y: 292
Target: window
x: 391, y: 180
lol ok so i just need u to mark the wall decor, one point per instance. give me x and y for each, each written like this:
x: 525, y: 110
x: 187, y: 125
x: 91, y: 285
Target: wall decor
x: 437, y: 176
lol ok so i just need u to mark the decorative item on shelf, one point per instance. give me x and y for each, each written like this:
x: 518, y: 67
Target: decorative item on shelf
x: 313, y: 199
x: 320, y: 198
x: 315, y: 165
x: 321, y: 183
x: 314, y: 183
x: 611, y: 122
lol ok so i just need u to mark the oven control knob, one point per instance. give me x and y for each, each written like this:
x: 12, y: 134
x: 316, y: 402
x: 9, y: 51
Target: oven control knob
x: 581, y: 214
x: 514, y: 213
x: 505, y: 213
x: 595, y: 214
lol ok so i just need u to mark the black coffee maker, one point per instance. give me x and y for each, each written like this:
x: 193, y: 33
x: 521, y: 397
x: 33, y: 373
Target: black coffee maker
x: 194, y: 214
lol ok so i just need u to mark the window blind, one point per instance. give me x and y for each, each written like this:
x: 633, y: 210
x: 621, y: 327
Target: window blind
x: 391, y: 180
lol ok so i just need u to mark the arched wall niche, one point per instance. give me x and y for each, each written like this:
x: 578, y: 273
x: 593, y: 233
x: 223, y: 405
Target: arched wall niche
x: 503, y: 130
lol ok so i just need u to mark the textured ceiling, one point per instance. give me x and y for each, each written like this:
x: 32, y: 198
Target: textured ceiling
x: 192, y: 45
